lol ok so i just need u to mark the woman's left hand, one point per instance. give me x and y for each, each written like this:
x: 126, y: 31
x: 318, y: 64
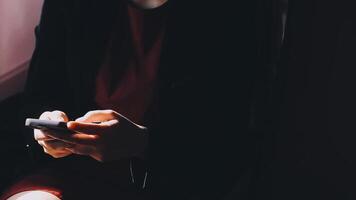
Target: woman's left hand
x: 105, y: 135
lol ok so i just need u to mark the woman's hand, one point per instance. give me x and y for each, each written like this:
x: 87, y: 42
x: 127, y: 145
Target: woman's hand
x: 55, y: 148
x: 105, y: 135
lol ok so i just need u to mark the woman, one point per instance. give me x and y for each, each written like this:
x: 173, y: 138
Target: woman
x: 159, y: 79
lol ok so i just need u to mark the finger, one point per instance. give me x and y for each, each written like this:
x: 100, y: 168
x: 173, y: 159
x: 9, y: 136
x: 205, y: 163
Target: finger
x: 45, y: 115
x: 75, y: 138
x: 55, y: 145
x: 90, y: 128
x: 98, y: 116
x: 81, y: 150
x: 61, y: 155
x: 55, y: 115
x: 57, y: 154
x: 40, y: 135
x: 59, y: 116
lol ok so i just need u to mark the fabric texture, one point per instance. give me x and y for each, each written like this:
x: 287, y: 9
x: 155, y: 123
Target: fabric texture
x: 127, y: 79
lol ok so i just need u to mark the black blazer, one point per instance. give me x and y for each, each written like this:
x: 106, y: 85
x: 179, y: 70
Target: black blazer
x: 208, y: 69
x: 318, y: 109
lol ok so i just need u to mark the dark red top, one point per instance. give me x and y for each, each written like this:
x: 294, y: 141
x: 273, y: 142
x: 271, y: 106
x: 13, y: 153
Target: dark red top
x: 127, y: 78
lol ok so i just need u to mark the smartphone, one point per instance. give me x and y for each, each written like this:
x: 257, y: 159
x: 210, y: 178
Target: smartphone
x: 47, y: 125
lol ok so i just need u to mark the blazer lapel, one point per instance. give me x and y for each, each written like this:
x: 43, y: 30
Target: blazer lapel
x: 173, y: 69
x: 100, y: 17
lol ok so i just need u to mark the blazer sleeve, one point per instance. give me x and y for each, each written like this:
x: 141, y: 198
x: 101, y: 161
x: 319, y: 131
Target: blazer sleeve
x: 47, y: 79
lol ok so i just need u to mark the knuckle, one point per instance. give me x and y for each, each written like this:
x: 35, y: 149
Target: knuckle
x: 46, y: 150
x: 55, y: 156
x: 45, y: 115
x: 56, y: 112
x: 90, y: 113
x: 36, y: 131
x: 111, y: 113
x: 39, y: 135
x: 40, y: 143
x: 36, y: 134
x: 59, y: 114
x: 58, y: 155
x: 36, y: 137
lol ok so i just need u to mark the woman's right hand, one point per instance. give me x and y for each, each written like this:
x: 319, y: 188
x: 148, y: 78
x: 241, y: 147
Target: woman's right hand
x: 55, y: 148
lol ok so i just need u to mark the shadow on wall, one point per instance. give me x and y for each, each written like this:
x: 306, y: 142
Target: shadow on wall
x: 17, y: 21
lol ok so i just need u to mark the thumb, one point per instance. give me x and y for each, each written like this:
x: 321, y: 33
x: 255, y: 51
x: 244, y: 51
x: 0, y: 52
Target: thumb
x: 90, y: 128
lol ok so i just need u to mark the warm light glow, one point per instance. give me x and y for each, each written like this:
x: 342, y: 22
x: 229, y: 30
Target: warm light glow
x: 32, y: 195
x: 150, y: 4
